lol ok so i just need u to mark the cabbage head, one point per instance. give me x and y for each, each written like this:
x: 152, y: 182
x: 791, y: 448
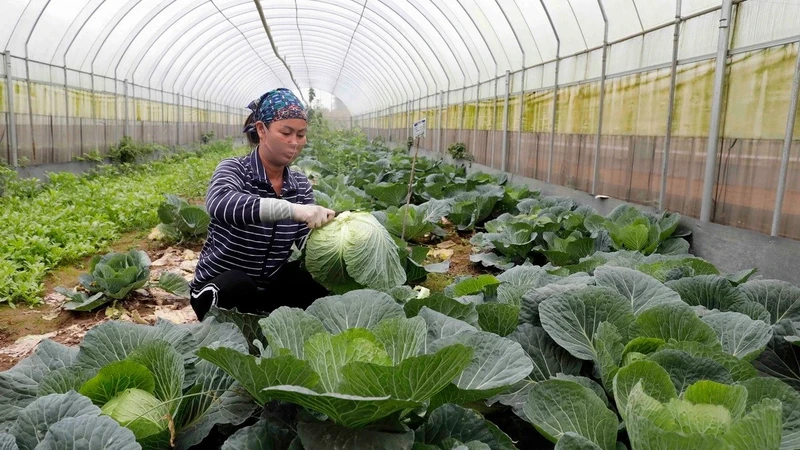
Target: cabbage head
x: 354, y: 251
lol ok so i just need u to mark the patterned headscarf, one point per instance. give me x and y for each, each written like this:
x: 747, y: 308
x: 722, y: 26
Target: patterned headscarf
x: 279, y: 104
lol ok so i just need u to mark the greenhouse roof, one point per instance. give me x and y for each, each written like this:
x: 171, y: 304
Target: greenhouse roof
x: 370, y: 54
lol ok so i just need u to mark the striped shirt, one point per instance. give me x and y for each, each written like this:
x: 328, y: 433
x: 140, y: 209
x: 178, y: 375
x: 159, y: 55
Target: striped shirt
x: 237, y: 239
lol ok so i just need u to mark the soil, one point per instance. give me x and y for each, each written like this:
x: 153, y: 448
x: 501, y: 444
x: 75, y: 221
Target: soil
x: 22, y: 327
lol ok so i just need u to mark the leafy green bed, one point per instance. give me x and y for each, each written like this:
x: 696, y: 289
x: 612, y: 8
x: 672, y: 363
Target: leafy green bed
x: 583, y: 332
x: 71, y: 217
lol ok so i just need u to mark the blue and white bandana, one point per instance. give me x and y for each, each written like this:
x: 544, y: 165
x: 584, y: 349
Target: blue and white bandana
x: 279, y: 104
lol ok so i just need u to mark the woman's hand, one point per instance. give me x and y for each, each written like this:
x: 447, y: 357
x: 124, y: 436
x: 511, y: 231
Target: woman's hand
x: 313, y: 215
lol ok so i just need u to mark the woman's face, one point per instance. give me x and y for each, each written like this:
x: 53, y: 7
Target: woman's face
x: 282, y: 140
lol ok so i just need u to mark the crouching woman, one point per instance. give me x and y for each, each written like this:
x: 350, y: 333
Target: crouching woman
x: 259, y: 208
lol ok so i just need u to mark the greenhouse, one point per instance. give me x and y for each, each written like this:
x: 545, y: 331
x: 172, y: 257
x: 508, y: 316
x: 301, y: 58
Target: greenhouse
x: 400, y: 224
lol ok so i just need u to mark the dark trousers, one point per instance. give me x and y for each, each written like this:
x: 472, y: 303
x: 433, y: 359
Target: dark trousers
x: 291, y: 286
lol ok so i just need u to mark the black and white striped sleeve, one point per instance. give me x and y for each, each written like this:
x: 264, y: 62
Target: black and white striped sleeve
x: 226, y: 199
x: 308, y: 198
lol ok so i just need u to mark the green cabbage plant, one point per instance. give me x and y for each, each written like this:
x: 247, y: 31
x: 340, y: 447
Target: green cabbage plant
x: 354, y: 251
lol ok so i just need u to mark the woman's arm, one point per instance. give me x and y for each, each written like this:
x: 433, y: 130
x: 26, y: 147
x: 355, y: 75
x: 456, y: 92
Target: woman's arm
x: 227, y: 202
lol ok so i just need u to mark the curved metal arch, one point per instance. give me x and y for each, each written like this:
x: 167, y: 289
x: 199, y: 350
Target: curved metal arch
x: 183, y: 49
x: 463, y: 42
x: 82, y: 12
x: 200, y: 27
x: 402, y: 15
x: 300, y: 35
x: 349, y: 43
x: 252, y: 88
x: 445, y: 38
x: 380, y: 35
x: 578, y: 23
x: 460, y: 30
x: 347, y: 86
x: 231, y: 89
x: 110, y: 26
x: 160, y: 32
x: 491, y: 29
x: 422, y: 76
x: 513, y: 30
x: 30, y: 34
x: 141, y: 25
x: 166, y: 72
x: 533, y: 37
x: 213, y: 63
x: 237, y: 64
x: 480, y: 33
x: 214, y: 59
x: 397, y: 81
x: 319, y: 61
x: 370, y: 56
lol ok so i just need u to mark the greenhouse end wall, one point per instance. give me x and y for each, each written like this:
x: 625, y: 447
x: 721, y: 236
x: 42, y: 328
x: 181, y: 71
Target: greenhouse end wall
x: 55, y: 123
x: 755, y: 105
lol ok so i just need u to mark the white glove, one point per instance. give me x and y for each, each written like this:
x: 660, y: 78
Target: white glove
x: 313, y: 215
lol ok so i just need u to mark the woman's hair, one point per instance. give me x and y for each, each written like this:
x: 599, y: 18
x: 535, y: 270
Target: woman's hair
x: 250, y: 132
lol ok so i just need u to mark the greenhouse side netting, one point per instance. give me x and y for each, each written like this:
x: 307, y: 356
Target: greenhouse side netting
x: 509, y: 122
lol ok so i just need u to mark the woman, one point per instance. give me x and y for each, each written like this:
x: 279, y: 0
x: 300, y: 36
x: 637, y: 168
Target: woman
x: 259, y: 208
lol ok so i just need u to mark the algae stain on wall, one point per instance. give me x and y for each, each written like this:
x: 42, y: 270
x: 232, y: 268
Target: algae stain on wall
x: 759, y: 84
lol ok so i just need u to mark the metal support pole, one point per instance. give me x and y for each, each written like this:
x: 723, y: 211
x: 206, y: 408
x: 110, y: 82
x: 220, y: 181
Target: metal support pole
x: 66, y: 114
x: 463, y: 112
x: 12, y: 120
x: 596, y: 172
x: 521, y: 115
x: 787, y: 147
x: 706, y: 207
x: 477, y: 114
x: 125, y: 104
x: 494, y: 119
x: 30, y: 107
x: 554, y: 120
x: 439, y: 122
x: 94, y: 113
x: 408, y: 120
x: 671, y: 108
x: 178, y: 118
x: 503, y: 157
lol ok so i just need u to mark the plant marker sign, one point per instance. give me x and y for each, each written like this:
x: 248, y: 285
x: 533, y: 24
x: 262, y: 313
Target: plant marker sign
x: 420, y: 128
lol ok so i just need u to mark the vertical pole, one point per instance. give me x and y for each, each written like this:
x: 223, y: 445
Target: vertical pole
x: 554, y: 120
x: 164, y: 117
x: 12, y: 120
x: 94, y: 113
x: 30, y: 107
x: 596, y: 172
x: 503, y: 157
x: 66, y: 115
x: 179, y: 118
x: 463, y: 111
x: 521, y: 114
x: 125, y: 105
x: 477, y: 113
x: 408, y: 120
x: 716, y: 112
x: 494, y: 119
x: 671, y: 108
x: 439, y: 122
x: 787, y: 147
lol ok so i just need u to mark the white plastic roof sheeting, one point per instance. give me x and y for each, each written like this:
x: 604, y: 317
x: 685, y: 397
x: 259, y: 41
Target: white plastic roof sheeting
x: 369, y: 53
